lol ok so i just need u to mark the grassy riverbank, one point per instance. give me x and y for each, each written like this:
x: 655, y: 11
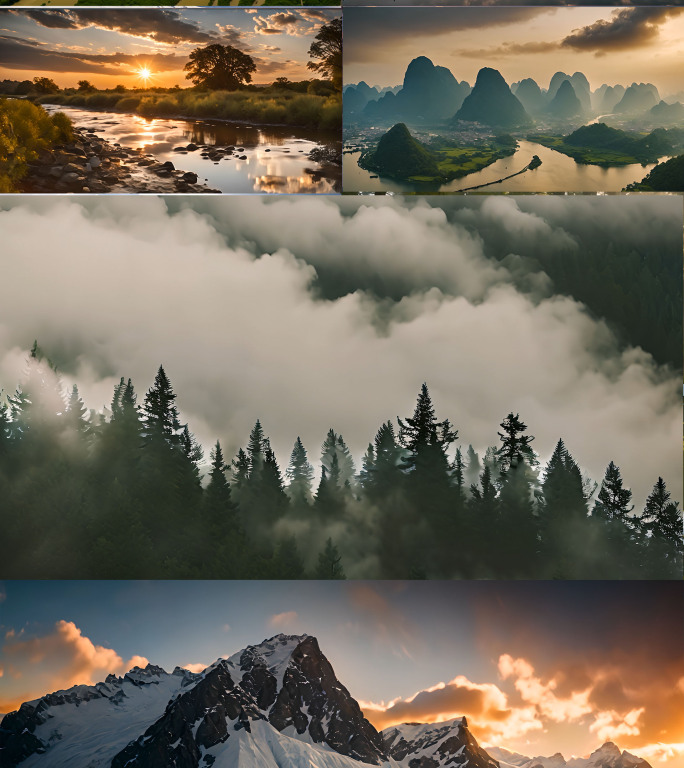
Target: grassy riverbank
x: 265, y: 106
x: 26, y: 129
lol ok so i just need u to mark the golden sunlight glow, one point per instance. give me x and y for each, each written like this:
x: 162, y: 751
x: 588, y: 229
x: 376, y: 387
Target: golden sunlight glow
x: 144, y: 74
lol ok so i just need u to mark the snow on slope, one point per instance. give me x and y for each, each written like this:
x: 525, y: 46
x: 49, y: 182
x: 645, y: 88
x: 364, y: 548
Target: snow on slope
x: 89, y: 732
x: 265, y: 747
x: 506, y: 757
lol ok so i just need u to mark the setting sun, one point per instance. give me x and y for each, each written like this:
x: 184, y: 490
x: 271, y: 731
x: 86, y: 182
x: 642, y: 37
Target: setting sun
x: 144, y: 74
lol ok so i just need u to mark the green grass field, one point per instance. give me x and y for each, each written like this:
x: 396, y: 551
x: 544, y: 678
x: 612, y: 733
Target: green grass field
x: 264, y: 106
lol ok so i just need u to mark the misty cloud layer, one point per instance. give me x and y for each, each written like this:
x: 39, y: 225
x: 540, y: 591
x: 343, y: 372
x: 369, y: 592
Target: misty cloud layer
x: 310, y: 313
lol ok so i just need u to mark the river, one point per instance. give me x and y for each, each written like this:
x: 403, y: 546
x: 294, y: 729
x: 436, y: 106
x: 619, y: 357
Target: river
x: 557, y: 173
x: 276, y: 157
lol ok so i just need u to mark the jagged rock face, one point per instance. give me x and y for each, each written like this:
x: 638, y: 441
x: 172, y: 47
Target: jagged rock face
x: 608, y: 756
x: 201, y: 717
x: 565, y: 103
x: 334, y: 717
x: 432, y: 746
x: 492, y: 103
x: 285, y: 683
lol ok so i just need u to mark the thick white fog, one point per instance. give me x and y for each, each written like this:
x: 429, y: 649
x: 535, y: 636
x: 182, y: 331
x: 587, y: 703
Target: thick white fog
x: 311, y: 313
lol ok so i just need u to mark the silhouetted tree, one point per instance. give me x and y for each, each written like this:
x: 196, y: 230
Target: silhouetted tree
x: 219, y: 67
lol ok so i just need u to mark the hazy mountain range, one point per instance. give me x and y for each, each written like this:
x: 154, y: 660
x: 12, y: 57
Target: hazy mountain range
x: 431, y: 93
x: 271, y: 705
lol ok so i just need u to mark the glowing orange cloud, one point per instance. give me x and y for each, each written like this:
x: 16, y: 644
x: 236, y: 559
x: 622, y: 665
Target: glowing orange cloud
x: 57, y: 661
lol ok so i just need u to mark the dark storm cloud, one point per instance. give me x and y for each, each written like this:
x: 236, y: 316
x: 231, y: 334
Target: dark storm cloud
x: 368, y: 29
x: 25, y: 54
x: 629, y: 28
x: 52, y: 19
x: 160, y: 25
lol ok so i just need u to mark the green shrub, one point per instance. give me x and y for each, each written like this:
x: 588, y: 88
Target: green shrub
x: 25, y: 130
x: 128, y: 104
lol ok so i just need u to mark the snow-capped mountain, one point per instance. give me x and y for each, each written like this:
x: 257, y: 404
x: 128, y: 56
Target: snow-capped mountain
x: 606, y: 756
x: 273, y: 705
x: 88, y: 724
x: 450, y: 743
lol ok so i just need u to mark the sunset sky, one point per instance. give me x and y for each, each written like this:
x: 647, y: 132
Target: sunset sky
x: 609, y: 45
x: 537, y: 667
x: 109, y: 46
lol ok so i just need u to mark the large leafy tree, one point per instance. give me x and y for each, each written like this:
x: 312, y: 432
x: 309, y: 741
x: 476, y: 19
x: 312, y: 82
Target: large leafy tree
x: 327, y: 48
x: 219, y: 67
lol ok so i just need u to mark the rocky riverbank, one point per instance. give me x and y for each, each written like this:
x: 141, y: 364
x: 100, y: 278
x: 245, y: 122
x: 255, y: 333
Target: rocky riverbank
x: 92, y: 164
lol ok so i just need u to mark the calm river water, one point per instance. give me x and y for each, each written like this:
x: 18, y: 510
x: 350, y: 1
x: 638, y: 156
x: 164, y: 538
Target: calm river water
x: 276, y: 157
x: 557, y: 173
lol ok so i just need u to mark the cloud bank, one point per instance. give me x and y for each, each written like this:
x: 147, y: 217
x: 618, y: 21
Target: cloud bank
x: 57, y: 661
x: 317, y: 313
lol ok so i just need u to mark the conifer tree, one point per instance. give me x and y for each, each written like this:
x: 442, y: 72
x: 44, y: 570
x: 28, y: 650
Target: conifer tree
x: 240, y: 471
x: 75, y: 412
x: 514, y: 445
x: 563, y: 516
x: 255, y: 450
x: 329, y: 563
x: 613, y: 500
x: 159, y: 412
x: 459, y: 472
x: 217, y: 494
x: 472, y: 467
x: 300, y: 475
x: 367, y: 468
x: 663, y: 546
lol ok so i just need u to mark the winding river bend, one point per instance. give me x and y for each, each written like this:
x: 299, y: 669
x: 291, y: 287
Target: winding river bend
x: 557, y: 173
x: 270, y: 158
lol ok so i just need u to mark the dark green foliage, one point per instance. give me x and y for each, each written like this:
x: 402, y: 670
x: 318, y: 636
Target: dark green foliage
x: 219, y: 67
x: 329, y: 563
x: 492, y: 103
x: 88, y: 496
x: 300, y: 475
x: 643, y: 149
x: 665, y: 177
x: 514, y: 445
x: 399, y: 155
x: 327, y: 48
x: 663, y: 549
x: 565, y: 103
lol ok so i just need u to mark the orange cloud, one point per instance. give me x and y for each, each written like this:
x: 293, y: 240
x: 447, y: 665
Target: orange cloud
x: 484, y: 704
x: 610, y: 725
x: 542, y: 695
x: 663, y: 753
x: 283, y: 620
x: 199, y: 667
x: 58, y: 661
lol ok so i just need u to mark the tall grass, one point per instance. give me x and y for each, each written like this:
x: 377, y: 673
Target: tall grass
x: 25, y: 130
x: 266, y: 106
